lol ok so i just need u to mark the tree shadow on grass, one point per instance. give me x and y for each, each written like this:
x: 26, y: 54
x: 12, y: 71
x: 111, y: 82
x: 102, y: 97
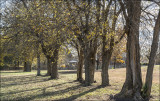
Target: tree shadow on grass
x: 48, y: 93
x: 61, y: 92
x: 68, y: 72
x: 12, y: 72
x: 6, y: 79
x: 43, y: 89
x: 71, y: 98
x: 22, y: 80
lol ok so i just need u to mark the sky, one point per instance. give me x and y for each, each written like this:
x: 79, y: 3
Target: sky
x: 146, y: 30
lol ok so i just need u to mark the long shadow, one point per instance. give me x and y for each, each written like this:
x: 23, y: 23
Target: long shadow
x: 71, y: 98
x: 48, y: 94
x: 6, y: 79
x: 28, y: 80
x: 13, y: 72
x: 36, y: 88
x: 23, y: 83
x: 68, y: 72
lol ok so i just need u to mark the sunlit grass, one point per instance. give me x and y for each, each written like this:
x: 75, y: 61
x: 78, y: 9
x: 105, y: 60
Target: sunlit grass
x: 19, y: 85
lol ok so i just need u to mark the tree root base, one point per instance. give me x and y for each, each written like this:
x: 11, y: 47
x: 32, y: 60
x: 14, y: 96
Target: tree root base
x: 127, y: 96
x: 38, y: 75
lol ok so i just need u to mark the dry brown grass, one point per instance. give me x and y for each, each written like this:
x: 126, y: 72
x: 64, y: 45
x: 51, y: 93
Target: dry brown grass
x: 16, y: 85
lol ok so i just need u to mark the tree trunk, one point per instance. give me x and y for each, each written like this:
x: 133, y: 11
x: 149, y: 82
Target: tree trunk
x: 38, y: 65
x: 54, y: 60
x: 18, y: 64
x: 105, y: 64
x: 133, y: 83
x: 89, y: 64
x: 48, y: 67
x: 80, y: 66
x: 106, y: 57
x: 97, y: 63
x: 154, y: 47
x: 38, y: 61
x: 27, y: 66
x: 114, y: 62
x: 15, y: 65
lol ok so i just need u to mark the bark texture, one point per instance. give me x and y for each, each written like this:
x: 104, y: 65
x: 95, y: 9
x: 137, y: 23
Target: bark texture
x: 90, y: 48
x: 54, y: 61
x: 80, y: 66
x: 106, y: 57
x: 38, y: 61
x: 48, y: 66
x: 38, y: 65
x: 105, y: 64
x: 133, y: 83
x: 89, y: 63
x: 107, y: 52
x: 154, y: 47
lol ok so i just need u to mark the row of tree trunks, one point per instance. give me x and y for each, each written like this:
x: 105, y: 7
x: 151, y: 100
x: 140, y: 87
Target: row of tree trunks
x: 27, y: 66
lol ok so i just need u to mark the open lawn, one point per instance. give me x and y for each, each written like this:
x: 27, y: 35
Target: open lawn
x: 17, y: 85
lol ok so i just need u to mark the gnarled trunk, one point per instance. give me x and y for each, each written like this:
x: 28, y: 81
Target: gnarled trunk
x: 133, y: 83
x: 80, y: 66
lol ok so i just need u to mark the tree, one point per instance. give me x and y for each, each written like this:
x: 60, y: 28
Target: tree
x: 16, y: 37
x: 38, y: 60
x: 84, y: 30
x: 80, y: 52
x: 108, y: 38
x: 48, y: 28
x: 154, y: 47
x: 133, y: 83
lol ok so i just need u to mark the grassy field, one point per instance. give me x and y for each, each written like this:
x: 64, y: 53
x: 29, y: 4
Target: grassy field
x: 17, y: 85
